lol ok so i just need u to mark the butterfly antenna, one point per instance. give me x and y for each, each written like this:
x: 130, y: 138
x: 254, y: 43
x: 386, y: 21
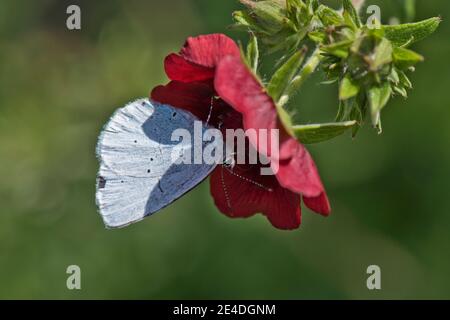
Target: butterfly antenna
x: 210, y: 110
x: 248, y: 180
x: 225, y: 191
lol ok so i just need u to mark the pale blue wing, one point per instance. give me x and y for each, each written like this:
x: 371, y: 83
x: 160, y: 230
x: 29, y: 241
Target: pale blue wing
x: 137, y: 175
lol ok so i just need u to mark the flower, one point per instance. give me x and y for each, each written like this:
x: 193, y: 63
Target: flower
x: 210, y: 69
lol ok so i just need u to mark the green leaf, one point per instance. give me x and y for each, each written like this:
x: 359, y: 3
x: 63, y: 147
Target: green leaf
x: 329, y: 17
x: 409, y: 33
x: 253, y: 53
x: 401, y: 91
x: 348, y: 88
x: 243, y: 21
x: 294, y: 8
x: 383, y: 54
x: 358, y: 115
x: 317, y: 36
x: 308, y: 69
x: 312, y: 5
x: 352, y: 110
x: 269, y: 13
x: 338, y: 49
x: 315, y: 133
x: 378, y: 97
x: 351, y: 14
x: 292, y: 5
x: 404, y: 80
x: 393, y: 76
x: 405, y: 58
x: 281, y: 80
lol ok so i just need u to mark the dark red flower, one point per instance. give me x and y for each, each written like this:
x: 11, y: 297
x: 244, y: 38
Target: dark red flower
x: 209, y: 67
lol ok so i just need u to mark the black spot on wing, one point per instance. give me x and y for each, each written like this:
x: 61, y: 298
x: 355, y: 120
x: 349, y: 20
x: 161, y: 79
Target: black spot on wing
x: 101, y: 182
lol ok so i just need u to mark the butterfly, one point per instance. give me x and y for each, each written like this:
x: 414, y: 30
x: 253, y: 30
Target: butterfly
x: 138, y: 173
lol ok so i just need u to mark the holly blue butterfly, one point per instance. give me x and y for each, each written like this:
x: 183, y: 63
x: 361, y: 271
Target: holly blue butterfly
x: 138, y: 175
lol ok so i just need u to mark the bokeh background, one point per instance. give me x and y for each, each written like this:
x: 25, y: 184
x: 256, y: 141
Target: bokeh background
x: 390, y: 193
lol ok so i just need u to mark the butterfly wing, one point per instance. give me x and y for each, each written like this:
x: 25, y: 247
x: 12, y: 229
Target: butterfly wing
x: 138, y: 173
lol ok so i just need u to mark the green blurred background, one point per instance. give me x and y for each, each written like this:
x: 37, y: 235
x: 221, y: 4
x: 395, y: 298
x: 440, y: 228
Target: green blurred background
x: 58, y: 87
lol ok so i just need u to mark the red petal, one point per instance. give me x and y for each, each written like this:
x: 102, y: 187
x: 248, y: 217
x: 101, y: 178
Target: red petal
x: 179, y: 69
x: 239, y: 87
x: 237, y: 195
x: 194, y: 97
x: 319, y: 204
x: 208, y: 50
x: 299, y: 173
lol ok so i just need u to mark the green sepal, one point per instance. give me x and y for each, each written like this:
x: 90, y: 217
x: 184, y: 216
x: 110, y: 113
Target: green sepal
x: 382, y: 55
x: 404, y: 80
x: 252, y: 53
x: 329, y: 17
x: 269, y: 14
x: 378, y: 96
x: 348, y: 88
x: 401, y: 91
x: 394, y: 77
x: 353, y: 109
x: 244, y: 22
x: 405, y: 58
x: 351, y: 14
x: 315, y: 133
x: 317, y: 36
x: 307, y: 70
x: 338, y: 49
x: 281, y: 80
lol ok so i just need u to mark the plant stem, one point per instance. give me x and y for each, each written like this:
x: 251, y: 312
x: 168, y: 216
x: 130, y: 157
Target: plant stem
x: 308, y: 69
